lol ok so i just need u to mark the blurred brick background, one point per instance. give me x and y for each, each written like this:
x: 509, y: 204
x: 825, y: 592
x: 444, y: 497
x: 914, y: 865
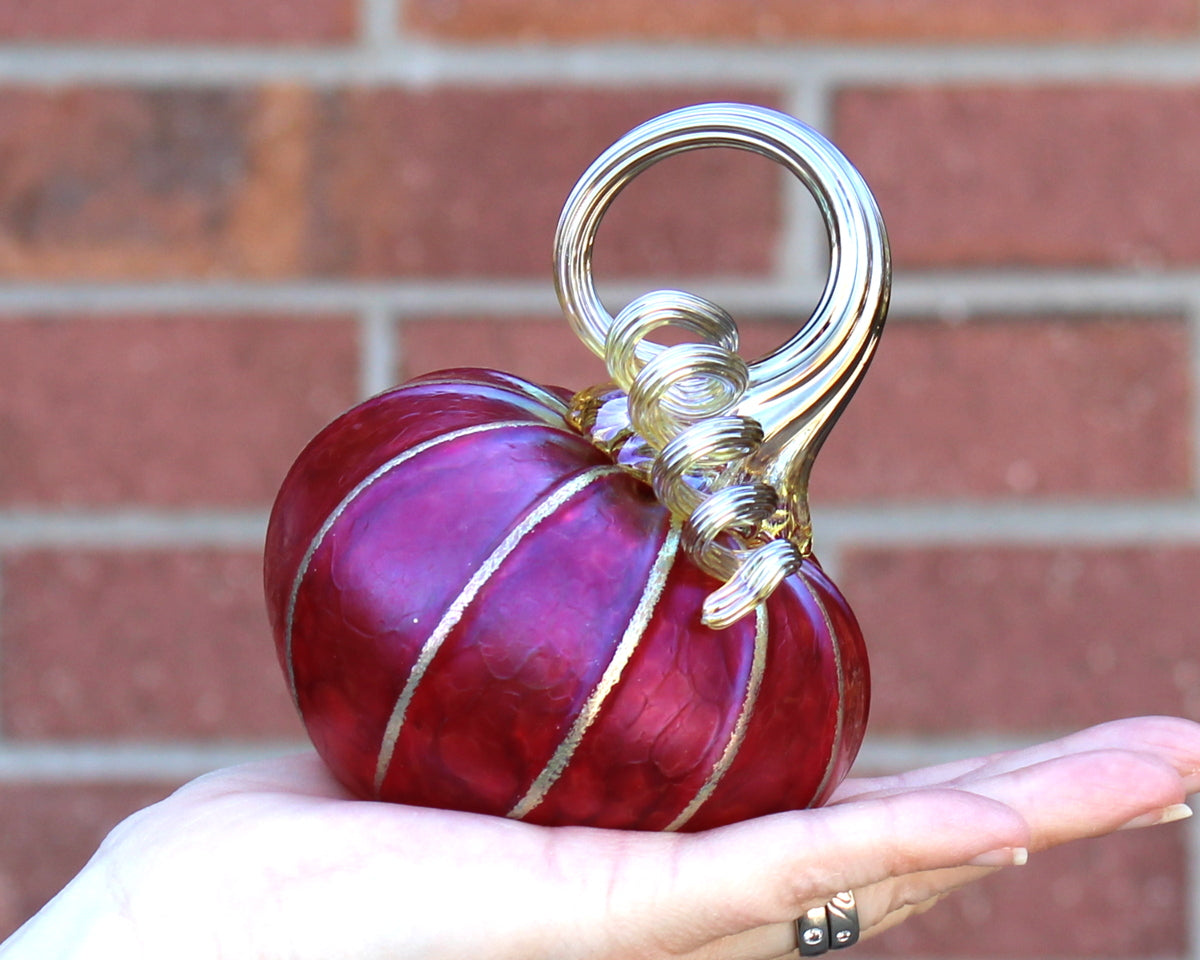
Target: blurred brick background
x: 221, y: 223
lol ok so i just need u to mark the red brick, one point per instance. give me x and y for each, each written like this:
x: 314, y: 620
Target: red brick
x: 113, y: 183
x: 1043, y: 176
x: 1121, y: 896
x: 51, y: 829
x: 168, y: 411
x: 781, y: 20
x: 544, y: 351
x: 280, y: 182
x: 1001, y: 407
x: 143, y: 646
x: 1029, y: 639
x: 457, y: 182
x: 288, y: 21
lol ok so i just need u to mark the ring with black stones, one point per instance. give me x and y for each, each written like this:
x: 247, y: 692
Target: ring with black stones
x: 831, y: 927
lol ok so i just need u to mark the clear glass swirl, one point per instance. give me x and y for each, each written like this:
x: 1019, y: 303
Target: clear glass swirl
x: 728, y: 446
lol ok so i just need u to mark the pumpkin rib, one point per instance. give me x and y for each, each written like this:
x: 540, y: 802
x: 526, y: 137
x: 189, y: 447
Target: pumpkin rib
x: 762, y: 639
x: 656, y: 580
x: 545, y: 509
x: 835, y: 644
x: 365, y: 484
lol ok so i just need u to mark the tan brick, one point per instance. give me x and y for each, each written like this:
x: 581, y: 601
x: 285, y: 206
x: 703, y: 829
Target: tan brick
x: 147, y: 646
x: 51, y: 829
x: 1030, y: 639
x: 286, y: 21
x: 782, y: 20
x: 1064, y: 903
x: 1061, y: 176
x: 164, y: 410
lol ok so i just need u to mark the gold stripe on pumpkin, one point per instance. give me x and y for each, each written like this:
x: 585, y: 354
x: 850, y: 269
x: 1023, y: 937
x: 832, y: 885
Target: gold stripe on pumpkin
x: 835, y: 643
x: 757, y: 667
x: 459, y: 605
x: 631, y: 638
x: 353, y: 495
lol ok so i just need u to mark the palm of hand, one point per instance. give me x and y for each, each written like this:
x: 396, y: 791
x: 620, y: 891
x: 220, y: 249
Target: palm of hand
x: 272, y: 860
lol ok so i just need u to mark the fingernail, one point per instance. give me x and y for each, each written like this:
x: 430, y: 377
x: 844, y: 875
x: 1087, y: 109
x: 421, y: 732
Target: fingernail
x: 1155, y: 818
x: 1004, y: 857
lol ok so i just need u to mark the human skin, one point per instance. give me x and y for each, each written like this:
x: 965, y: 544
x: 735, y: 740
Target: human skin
x: 273, y: 861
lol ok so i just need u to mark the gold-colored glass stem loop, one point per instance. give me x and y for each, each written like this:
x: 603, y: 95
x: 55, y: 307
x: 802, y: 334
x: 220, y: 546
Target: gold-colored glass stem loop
x: 797, y: 391
x: 720, y: 439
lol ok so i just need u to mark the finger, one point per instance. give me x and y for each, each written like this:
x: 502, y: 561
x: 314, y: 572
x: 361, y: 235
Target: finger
x: 768, y: 871
x: 1067, y: 790
x: 1176, y: 741
x: 891, y: 860
x: 1083, y: 795
x: 881, y: 906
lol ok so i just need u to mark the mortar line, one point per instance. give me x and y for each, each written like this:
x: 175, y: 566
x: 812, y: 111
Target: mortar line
x: 107, y: 762
x: 379, y: 24
x: 884, y: 753
x: 829, y: 552
x: 958, y: 293
x: 399, y: 356
x: 394, y: 59
x: 300, y: 299
x: 926, y: 293
x: 397, y: 60
x: 132, y: 529
x: 1038, y: 523
x: 1193, y: 320
x: 803, y: 254
x: 1042, y: 522
x: 377, y: 351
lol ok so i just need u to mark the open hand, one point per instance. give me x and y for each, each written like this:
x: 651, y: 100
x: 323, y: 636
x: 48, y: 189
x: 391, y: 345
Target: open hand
x: 272, y: 860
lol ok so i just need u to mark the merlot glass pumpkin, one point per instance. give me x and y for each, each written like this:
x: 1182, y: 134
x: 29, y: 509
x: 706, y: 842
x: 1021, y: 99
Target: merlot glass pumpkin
x: 601, y: 609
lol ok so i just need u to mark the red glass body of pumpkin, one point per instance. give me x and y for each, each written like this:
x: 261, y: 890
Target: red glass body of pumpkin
x: 477, y: 610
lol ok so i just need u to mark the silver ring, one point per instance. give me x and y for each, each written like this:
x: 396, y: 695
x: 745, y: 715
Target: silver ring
x: 831, y: 927
x: 843, y: 920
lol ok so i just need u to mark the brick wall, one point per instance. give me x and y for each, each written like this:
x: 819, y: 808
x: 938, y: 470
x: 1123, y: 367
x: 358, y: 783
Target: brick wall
x: 221, y: 223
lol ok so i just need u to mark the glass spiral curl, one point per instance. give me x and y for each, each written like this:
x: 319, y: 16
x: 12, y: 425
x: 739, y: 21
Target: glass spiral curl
x: 727, y: 446
x: 667, y: 418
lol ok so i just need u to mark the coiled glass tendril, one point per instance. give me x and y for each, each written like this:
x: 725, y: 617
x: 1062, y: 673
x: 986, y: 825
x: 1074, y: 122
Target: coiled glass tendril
x: 667, y: 418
